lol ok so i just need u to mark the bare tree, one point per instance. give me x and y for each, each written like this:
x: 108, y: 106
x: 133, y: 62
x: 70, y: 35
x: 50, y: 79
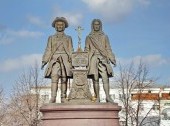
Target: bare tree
x: 132, y: 78
x: 25, y: 103
x: 2, y: 106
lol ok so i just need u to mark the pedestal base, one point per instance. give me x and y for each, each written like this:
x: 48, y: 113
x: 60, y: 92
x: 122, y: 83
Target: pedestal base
x: 101, y: 114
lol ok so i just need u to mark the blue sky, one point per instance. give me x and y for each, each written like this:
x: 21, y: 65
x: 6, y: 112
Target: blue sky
x: 136, y: 29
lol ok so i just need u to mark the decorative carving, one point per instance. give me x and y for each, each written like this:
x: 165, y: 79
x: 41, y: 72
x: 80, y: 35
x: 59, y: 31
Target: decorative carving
x: 80, y: 92
x: 79, y: 59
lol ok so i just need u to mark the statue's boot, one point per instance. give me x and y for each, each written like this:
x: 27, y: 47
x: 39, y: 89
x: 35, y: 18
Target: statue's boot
x: 97, y: 100
x: 53, y: 100
x: 54, y: 87
x: 63, y: 98
x: 63, y: 92
x: 106, y: 89
x: 96, y: 91
x: 109, y: 99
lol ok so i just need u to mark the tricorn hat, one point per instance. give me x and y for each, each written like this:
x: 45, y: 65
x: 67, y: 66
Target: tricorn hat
x: 60, y: 19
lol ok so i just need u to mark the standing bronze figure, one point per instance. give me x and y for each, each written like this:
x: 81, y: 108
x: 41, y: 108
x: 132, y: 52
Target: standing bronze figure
x: 100, y: 55
x: 58, y: 56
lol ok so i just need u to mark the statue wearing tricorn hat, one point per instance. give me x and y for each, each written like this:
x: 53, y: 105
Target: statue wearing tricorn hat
x: 58, y: 56
x: 62, y: 19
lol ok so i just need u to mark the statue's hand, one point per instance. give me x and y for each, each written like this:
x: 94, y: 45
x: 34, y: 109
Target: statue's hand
x: 114, y: 63
x: 43, y: 64
x: 107, y: 60
x: 69, y: 59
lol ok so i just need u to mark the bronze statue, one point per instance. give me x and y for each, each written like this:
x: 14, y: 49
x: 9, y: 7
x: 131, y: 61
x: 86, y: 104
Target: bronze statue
x: 58, y: 56
x: 100, y: 55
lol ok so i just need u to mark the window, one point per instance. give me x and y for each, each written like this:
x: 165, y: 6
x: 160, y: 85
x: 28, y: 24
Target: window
x: 166, y: 104
x: 155, y: 107
x: 149, y: 91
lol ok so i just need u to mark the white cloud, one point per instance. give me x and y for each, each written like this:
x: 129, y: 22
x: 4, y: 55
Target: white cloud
x: 5, y: 40
x: 25, y: 33
x: 2, y: 27
x: 151, y: 60
x: 9, y: 36
x: 36, y: 21
x: 74, y: 18
x: 20, y: 62
x: 113, y: 10
x: 144, y: 2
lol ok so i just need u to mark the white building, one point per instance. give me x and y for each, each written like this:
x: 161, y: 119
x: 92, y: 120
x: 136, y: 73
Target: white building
x: 155, y: 104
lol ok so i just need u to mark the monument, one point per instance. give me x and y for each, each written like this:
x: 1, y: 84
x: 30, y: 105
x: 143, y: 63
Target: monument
x: 94, y: 62
x: 100, y: 55
x: 58, y: 56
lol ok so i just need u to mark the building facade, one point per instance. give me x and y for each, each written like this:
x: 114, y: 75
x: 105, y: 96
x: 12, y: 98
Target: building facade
x: 153, y: 103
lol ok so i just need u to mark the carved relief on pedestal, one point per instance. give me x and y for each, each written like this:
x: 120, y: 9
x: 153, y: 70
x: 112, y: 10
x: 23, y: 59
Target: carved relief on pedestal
x: 79, y: 59
x: 80, y: 91
x: 80, y: 88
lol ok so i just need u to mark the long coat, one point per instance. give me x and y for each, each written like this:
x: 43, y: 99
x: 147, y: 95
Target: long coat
x: 52, y: 45
x: 103, y: 47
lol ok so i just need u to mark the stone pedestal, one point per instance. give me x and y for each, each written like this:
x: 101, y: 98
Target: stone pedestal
x: 80, y: 92
x: 101, y: 114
